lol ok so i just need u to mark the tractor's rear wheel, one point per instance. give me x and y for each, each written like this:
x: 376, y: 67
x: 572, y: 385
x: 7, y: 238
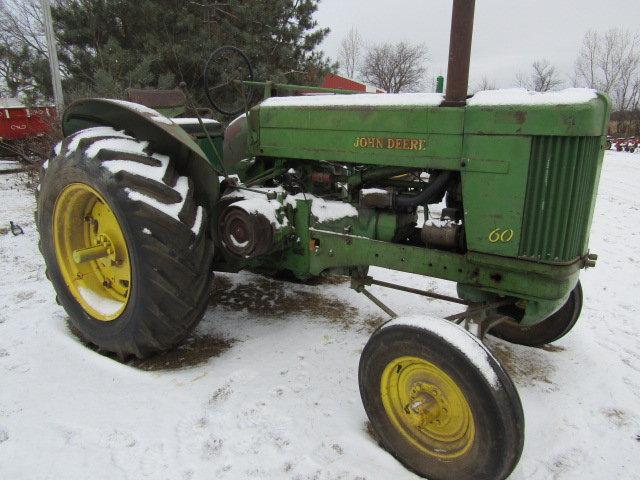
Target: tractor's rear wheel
x: 126, y: 246
x: 550, y: 329
x: 440, y: 402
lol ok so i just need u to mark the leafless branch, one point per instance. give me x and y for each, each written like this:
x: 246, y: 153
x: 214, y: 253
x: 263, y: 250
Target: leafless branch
x: 610, y: 62
x: 542, y: 78
x: 350, y: 52
x: 395, y: 67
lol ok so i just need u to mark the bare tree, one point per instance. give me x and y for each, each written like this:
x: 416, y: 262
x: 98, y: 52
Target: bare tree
x: 610, y: 62
x: 350, y: 52
x: 543, y: 77
x: 485, y: 83
x: 22, y: 48
x: 395, y: 67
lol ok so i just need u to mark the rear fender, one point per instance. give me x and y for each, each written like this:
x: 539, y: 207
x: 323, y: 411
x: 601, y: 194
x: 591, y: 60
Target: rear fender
x: 163, y: 135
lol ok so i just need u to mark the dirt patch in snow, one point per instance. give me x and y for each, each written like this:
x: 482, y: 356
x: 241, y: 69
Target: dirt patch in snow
x: 27, y: 180
x: 195, y: 350
x: 526, y: 367
x: 266, y: 297
x: 618, y: 417
x: 552, y: 348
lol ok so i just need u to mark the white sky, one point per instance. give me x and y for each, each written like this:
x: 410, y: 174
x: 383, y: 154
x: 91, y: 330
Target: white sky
x: 508, y: 35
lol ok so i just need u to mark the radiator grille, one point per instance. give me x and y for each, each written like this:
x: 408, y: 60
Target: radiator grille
x: 563, y: 172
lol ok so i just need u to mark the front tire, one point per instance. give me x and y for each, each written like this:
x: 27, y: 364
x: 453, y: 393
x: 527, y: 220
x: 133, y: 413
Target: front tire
x: 440, y: 402
x: 126, y: 245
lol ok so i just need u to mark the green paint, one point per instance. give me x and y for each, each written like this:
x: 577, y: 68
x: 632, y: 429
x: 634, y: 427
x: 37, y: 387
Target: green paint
x: 529, y: 179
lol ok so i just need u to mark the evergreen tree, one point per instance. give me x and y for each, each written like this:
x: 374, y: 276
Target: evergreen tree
x: 107, y: 46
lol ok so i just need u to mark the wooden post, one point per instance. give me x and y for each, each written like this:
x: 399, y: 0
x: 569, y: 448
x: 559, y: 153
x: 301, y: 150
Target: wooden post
x: 53, y: 56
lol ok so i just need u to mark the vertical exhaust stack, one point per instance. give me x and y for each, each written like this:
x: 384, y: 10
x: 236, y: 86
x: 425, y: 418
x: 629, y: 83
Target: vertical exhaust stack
x: 459, y: 53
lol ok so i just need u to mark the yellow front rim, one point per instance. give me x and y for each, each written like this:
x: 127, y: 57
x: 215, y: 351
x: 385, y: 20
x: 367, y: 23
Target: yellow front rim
x: 91, y: 251
x: 427, y: 407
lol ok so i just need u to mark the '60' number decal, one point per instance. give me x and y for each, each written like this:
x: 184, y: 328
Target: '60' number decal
x: 503, y: 235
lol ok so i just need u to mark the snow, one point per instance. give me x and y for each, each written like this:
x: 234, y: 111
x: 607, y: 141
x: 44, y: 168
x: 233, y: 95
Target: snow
x: 455, y: 335
x: 138, y: 168
x: 103, y: 305
x: 282, y: 401
x: 148, y: 171
x: 373, y: 191
x: 239, y: 118
x: 10, y: 102
x: 94, y: 132
x: 57, y: 148
x: 149, y: 112
x: 521, y: 96
x: 146, y: 231
x: 134, y: 106
x: 323, y: 210
x: 189, y: 121
x: 124, y: 145
x: 236, y: 243
x: 260, y: 205
x: 170, y: 209
x: 197, y: 223
x: 508, y: 96
x: 6, y: 165
x: 328, y: 210
x: 358, y: 100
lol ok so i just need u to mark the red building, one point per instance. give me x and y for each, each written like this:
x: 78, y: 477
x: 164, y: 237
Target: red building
x: 336, y: 81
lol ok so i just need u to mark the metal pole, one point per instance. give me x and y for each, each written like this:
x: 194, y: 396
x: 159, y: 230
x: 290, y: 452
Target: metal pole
x: 53, y: 56
x: 459, y: 52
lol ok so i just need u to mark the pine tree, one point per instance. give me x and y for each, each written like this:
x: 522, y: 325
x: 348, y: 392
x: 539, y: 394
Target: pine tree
x: 107, y: 46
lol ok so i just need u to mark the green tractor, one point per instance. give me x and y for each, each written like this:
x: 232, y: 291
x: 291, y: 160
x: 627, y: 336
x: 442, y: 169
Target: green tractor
x: 495, y: 192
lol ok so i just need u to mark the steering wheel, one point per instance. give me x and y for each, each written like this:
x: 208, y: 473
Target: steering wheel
x: 224, y: 72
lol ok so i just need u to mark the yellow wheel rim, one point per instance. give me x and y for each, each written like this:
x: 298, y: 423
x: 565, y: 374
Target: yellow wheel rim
x: 427, y: 407
x: 91, y: 251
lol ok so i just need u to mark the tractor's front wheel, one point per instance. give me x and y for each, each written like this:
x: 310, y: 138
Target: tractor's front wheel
x: 126, y: 245
x: 440, y: 402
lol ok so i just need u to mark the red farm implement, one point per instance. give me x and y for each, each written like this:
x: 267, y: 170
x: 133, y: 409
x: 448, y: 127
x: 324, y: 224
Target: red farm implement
x: 22, y: 127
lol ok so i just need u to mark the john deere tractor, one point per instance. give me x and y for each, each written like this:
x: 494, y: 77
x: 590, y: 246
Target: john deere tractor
x: 495, y: 192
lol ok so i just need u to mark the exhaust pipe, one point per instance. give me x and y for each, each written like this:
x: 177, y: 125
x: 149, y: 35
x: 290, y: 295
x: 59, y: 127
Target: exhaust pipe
x: 459, y: 53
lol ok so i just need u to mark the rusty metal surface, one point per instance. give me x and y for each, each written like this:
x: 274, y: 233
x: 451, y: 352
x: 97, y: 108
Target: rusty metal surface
x: 157, y: 98
x: 459, y: 52
x: 424, y: 293
x: 245, y: 234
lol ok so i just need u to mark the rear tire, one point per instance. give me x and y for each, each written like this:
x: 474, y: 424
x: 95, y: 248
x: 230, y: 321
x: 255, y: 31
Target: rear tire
x: 439, y: 402
x: 166, y: 233
x: 549, y: 330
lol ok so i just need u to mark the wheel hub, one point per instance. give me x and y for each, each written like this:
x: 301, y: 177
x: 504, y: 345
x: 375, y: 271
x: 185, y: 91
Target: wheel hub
x: 91, y: 252
x: 427, y: 407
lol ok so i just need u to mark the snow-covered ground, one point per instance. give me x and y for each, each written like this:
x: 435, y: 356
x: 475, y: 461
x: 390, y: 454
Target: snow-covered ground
x: 267, y: 386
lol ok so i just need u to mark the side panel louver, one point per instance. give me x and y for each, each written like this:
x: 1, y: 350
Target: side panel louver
x: 563, y: 173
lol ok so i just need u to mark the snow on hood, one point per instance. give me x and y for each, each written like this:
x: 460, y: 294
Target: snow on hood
x: 521, y: 96
x: 508, y: 96
x: 358, y: 100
